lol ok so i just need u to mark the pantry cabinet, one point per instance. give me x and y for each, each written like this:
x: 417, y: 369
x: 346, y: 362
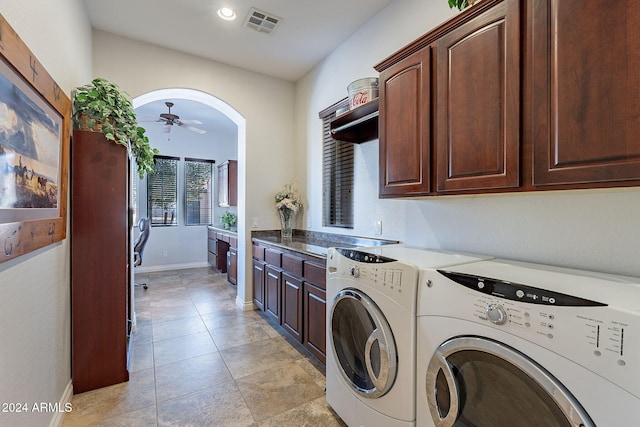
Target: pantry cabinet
x: 478, y: 102
x: 585, y: 91
x: 100, y: 258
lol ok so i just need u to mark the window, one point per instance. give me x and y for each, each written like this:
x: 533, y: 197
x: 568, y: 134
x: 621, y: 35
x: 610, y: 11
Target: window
x: 198, y: 179
x: 162, y: 191
x: 337, y: 175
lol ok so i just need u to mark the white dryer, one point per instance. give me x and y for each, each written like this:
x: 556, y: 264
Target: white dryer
x: 371, y: 324
x: 502, y: 343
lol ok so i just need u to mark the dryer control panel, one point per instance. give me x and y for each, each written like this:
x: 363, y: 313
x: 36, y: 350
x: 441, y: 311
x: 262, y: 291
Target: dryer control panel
x: 596, y: 335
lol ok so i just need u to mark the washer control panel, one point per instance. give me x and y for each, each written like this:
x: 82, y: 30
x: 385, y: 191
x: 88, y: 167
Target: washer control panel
x: 389, y: 276
x: 593, y: 334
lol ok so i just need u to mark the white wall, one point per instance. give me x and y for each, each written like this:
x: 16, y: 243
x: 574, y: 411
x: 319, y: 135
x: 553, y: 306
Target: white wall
x: 35, y: 325
x: 595, y: 230
x: 267, y: 104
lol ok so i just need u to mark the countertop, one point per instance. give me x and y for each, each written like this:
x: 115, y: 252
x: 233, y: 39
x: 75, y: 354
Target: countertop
x: 232, y: 230
x: 315, y: 243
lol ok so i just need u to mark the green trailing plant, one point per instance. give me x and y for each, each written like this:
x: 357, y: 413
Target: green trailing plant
x: 101, y: 105
x: 460, y: 4
x: 228, y: 219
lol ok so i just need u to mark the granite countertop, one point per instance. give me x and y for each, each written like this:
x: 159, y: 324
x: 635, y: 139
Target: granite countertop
x: 315, y: 243
x: 232, y: 230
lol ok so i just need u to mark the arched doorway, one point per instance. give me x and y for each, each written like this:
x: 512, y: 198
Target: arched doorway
x: 243, y: 298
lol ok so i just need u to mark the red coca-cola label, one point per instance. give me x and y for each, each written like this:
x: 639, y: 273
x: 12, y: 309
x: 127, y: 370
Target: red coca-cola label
x: 359, y: 98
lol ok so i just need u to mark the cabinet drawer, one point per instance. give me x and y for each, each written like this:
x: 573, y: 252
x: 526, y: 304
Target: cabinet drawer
x: 211, y: 234
x: 212, y: 246
x: 273, y: 257
x: 233, y: 242
x: 292, y: 264
x: 258, y: 252
x: 315, y: 274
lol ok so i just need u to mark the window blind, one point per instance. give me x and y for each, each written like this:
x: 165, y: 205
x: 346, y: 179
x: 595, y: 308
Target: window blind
x: 198, y: 179
x: 337, y: 178
x: 162, y: 191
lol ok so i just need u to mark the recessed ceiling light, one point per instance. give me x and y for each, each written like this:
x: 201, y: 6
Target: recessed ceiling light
x: 226, y: 13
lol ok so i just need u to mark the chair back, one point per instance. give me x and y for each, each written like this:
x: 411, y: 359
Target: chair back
x: 138, y: 246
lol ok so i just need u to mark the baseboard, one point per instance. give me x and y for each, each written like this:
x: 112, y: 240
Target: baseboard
x: 167, y: 267
x: 245, y: 305
x: 58, y: 416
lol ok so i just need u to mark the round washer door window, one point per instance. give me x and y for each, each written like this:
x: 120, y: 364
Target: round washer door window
x: 473, y: 381
x: 363, y: 344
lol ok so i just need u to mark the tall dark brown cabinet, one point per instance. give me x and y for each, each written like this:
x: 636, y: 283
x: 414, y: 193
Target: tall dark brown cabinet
x: 100, y: 254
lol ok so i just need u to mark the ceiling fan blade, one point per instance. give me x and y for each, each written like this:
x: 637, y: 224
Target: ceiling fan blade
x: 191, y: 122
x: 192, y: 128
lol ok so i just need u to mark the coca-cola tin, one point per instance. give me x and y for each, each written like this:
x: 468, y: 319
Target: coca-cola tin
x: 362, y: 91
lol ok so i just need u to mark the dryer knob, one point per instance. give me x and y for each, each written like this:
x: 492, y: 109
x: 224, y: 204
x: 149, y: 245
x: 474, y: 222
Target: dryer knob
x: 354, y: 271
x: 496, y: 314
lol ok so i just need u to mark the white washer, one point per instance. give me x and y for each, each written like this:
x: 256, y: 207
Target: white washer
x: 502, y: 343
x: 371, y: 324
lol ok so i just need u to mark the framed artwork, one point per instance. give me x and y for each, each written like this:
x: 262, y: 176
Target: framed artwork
x: 34, y: 150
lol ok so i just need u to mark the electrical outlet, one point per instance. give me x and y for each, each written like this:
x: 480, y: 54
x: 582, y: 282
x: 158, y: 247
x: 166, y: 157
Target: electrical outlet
x: 379, y: 228
x: 254, y: 222
x: 165, y: 253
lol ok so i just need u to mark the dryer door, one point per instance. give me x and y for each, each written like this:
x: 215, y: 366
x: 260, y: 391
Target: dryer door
x: 363, y: 344
x: 474, y: 381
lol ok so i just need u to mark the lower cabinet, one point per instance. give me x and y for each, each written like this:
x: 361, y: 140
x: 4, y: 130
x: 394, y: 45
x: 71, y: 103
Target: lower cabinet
x: 233, y: 265
x: 315, y: 319
x: 272, y: 292
x: 292, y: 305
x: 221, y: 261
x: 258, y: 283
x: 219, y: 243
x: 291, y: 290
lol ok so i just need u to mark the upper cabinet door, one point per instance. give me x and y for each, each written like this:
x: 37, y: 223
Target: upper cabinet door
x: 585, y: 91
x: 405, y: 126
x: 478, y: 102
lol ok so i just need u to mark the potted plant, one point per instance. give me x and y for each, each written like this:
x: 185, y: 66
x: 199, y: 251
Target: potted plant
x: 461, y: 4
x: 102, y: 106
x: 228, y: 220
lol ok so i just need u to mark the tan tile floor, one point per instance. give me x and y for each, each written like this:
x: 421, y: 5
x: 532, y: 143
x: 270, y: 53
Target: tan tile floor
x: 198, y: 360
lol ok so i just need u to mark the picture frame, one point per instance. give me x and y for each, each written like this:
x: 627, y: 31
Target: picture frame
x: 35, y: 121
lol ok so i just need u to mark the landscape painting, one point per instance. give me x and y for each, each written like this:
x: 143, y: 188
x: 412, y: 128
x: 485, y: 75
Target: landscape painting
x: 30, y: 152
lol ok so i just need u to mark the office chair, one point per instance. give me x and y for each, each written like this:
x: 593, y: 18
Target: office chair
x: 138, y: 246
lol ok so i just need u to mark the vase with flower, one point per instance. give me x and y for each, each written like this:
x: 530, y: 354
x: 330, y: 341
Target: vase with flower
x: 288, y: 203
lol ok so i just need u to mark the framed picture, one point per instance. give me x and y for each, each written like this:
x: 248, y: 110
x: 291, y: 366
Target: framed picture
x: 34, y: 150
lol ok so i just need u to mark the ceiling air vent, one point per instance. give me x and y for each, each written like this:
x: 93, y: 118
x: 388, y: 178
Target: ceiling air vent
x: 260, y: 21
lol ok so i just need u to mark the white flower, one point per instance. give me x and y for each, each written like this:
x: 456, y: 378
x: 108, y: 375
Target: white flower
x: 288, y: 198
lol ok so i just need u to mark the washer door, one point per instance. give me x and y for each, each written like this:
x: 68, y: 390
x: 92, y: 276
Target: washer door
x: 363, y: 344
x: 475, y: 381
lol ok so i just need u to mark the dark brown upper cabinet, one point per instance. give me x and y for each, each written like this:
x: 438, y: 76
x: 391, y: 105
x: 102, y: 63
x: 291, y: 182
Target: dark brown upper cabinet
x: 478, y: 102
x: 514, y: 95
x: 404, y: 126
x: 585, y: 91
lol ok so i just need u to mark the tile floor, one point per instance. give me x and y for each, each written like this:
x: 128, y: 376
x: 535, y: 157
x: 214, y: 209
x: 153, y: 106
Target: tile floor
x: 198, y: 360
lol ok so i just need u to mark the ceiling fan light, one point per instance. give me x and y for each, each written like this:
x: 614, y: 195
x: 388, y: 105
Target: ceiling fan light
x: 226, y: 13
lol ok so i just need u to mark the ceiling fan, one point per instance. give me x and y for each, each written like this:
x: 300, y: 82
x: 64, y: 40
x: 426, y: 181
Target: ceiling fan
x: 169, y: 119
